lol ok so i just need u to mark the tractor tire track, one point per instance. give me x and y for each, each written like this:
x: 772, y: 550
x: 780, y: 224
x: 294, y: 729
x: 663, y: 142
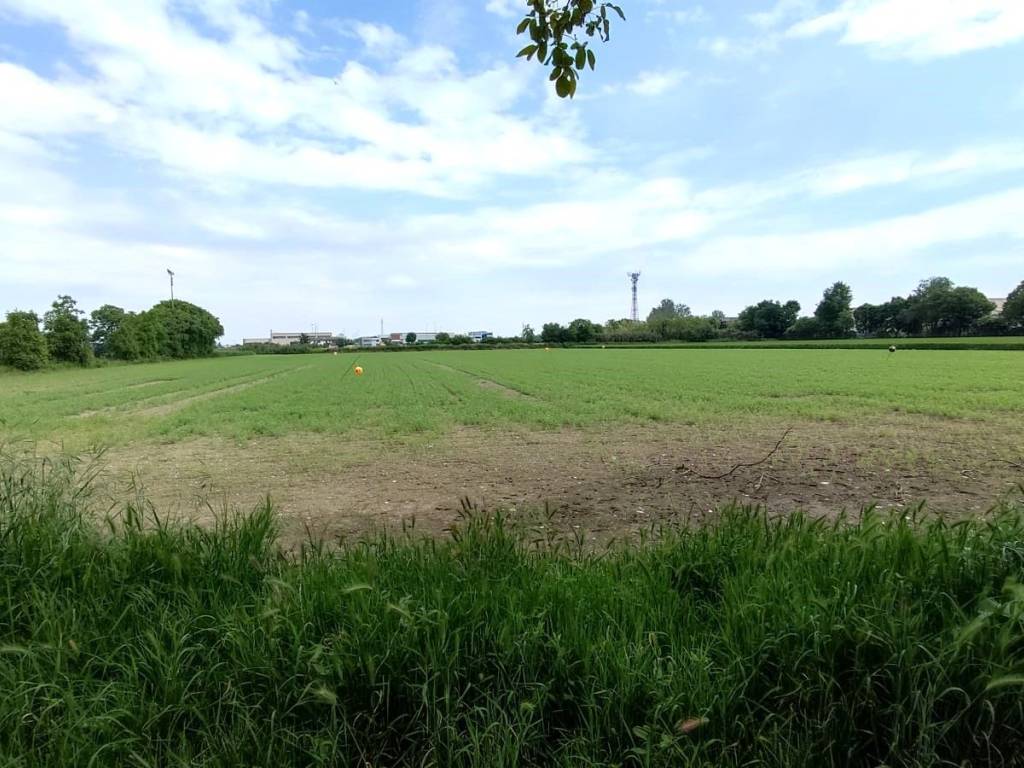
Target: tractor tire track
x: 489, y: 384
x: 168, y: 408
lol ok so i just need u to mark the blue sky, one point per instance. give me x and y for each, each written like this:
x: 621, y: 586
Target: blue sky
x: 333, y: 162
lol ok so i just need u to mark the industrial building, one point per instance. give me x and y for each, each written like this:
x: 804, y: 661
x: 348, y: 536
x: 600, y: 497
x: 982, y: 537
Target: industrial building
x: 422, y: 337
x: 287, y: 338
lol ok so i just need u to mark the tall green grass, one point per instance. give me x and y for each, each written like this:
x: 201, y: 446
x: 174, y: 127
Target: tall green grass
x: 126, y: 640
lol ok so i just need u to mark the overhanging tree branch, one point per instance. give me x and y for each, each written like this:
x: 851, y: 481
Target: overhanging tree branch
x: 555, y: 26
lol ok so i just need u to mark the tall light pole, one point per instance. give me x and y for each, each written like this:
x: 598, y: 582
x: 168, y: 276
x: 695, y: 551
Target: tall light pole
x: 171, y: 275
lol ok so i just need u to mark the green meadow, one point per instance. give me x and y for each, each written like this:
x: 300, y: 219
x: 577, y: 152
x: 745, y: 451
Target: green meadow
x: 129, y: 637
x: 404, y: 395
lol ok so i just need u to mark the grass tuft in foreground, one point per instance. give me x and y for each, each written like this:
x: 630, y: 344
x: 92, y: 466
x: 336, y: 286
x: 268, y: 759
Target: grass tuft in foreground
x: 885, y: 640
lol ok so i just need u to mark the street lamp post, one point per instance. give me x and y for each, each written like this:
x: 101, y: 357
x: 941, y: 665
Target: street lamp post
x: 171, y: 275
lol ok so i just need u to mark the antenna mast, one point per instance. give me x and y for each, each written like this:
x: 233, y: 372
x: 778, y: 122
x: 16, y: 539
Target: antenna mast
x: 634, y: 312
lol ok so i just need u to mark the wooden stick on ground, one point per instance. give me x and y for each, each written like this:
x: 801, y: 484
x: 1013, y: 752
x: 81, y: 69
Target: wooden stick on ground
x: 742, y: 465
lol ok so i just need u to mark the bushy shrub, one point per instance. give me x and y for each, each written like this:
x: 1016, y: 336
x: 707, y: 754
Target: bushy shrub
x: 805, y: 328
x: 22, y: 344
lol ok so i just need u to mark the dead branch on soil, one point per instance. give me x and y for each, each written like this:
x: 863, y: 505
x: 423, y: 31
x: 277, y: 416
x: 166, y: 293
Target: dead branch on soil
x: 743, y: 465
x: 1013, y: 464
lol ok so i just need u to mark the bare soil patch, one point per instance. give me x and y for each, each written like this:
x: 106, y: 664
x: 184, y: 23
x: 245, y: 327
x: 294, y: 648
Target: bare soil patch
x: 605, y: 483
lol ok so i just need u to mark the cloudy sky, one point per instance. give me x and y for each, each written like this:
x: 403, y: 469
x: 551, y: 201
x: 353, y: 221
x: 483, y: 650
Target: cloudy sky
x: 335, y: 162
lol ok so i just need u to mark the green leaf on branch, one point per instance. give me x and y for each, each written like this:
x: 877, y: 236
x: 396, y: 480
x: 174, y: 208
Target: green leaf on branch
x: 558, y: 26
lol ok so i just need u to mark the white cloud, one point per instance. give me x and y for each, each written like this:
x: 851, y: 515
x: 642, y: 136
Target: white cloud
x: 920, y: 29
x: 767, y: 40
x: 783, y: 10
x: 241, y: 113
x: 34, y: 105
x: 379, y: 39
x: 401, y: 281
x: 506, y: 8
x: 300, y: 22
x: 655, y: 83
x: 120, y: 247
x: 903, y: 167
x: 694, y: 14
x: 245, y: 111
x: 740, y: 47
x: 893, y: 240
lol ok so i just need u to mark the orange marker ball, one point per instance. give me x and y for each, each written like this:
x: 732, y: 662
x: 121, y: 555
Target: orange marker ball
x: 359, y: 370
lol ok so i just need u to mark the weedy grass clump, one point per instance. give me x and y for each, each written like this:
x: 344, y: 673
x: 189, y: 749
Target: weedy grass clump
x: 128, y: 640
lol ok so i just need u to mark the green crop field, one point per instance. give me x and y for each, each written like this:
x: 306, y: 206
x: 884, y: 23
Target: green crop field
x: 607, y: 557
x: 595, y: 432
x: 1011, y: 343
x: 405, y: 395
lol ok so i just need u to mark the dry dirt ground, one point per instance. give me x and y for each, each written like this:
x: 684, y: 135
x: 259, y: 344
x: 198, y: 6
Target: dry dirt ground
x: 609, y: 483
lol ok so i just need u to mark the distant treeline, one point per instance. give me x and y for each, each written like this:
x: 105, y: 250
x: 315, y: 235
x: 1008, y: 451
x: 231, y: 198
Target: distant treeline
x: 170, y: 329
x: 936, y: 307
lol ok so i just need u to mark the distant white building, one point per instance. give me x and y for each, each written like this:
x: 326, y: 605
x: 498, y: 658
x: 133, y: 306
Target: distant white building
x: 1000, y: 303
x: 422, y: 337
x: 287, y: 338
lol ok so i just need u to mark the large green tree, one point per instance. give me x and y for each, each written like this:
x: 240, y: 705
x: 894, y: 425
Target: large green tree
x: 554, y: 333
x: 769, y: 319
x: 833, y: 314
x: 668, y: 310
x: 67, y: 332
x: 138, y: 337
x: 664, y: 320
x: 939, y: 308
x: 926, y: 304
x: 22, y: 344
x: 893, y: 318
x: 962, y: 308
x: 1013, y: 310
x: 583, y: 331
x: 187, y: 330
x: 105, y: 322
